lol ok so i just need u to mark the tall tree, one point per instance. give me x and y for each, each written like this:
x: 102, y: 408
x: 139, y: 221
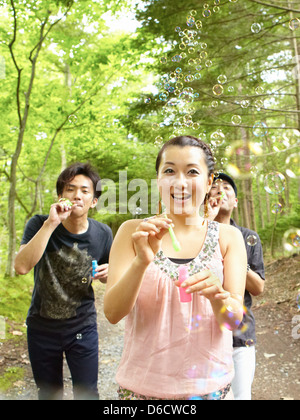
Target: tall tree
x: 60, y: 63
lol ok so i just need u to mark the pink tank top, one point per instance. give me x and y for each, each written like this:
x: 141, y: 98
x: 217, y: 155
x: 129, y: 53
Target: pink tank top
x: 172, y: 349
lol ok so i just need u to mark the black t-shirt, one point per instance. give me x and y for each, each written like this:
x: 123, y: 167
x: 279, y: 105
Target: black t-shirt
x: 63, y: 297
x: 245, y: 334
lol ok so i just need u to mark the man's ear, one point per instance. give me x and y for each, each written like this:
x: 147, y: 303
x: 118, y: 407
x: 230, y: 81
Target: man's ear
x: 236, y: 203
x: 94, y: 202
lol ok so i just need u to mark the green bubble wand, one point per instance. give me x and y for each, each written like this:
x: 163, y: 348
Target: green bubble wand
x: 175, y: 242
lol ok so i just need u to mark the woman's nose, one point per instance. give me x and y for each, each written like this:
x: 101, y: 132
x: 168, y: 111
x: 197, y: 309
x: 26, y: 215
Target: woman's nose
x: 180, y: 181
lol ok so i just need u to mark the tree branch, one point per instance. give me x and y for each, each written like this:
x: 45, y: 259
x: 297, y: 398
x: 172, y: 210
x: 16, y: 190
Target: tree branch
x: 10, y: 46
x: 275, y: 6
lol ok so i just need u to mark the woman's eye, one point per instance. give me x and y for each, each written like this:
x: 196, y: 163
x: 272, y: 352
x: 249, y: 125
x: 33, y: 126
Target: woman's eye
x: 194, y: 172
x: 168, y: 171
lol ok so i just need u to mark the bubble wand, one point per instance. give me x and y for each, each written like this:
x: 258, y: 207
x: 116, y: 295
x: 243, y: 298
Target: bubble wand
x: 175, y: 242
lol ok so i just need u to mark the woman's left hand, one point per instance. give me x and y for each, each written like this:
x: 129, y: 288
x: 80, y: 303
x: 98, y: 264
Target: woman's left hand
x: 206, y: 284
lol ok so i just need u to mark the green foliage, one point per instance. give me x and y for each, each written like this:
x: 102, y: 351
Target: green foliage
x: 10, y: 376
x: 15, y: 297
x: 89, y: 89
x: 274, y: 232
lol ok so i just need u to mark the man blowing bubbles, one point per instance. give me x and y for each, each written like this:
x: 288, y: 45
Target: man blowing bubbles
x: 222, y: 201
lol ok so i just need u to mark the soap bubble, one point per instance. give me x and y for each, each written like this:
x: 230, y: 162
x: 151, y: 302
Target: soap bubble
x: 293, y: 163
x: 249, y: 342
x: 239, y: 156
x: 218, y: 90
x: 276, y: 208
x: 72, y: 119
x: 236, y: 119
x: 294, y: 24
x: 251, y: 240
x: 163, y: 60
x: 222, y: 79
x: 206, y: 13
x: 255, y: 28
x: 259, y: 90
x: 176, y: 58
x: 260, y: 129
x: 245, y: 103
x: 259, y: 103
x: 217, y: 138
x: 274, y: 183
x: 79, y: 336
x: 158, y: 142
x: 190, y: 21
x: 291, y: 240
x: 147, y: 100
x: 163, y: 96
x: 138, y: 211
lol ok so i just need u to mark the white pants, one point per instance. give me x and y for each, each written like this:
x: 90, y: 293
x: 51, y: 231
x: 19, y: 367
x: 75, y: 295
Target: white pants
x: 244, y: 366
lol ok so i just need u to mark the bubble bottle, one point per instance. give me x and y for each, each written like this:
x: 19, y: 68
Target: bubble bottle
x: 182, y: 276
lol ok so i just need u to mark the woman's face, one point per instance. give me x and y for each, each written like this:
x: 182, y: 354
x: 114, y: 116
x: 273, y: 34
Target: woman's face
x: 183, y: 179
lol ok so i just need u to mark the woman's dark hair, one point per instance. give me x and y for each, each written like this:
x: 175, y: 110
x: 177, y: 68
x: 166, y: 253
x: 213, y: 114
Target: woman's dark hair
x: 183, y: 141
x: 79, y: 168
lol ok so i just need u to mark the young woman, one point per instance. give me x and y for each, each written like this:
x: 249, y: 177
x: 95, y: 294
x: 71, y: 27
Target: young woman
x: 174, y: 349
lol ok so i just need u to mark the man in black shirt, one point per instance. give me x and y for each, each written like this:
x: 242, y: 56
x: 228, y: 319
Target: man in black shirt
x: 244, y: 339
x: 62, y: 316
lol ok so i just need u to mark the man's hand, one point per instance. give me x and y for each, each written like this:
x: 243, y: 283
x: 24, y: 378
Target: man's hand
x: 101, y: 273
x: 214, y: 204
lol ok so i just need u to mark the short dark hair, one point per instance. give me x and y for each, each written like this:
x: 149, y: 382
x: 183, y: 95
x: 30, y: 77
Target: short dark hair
x: 227, y: 178
x: 183, y: 141
x: 79, y: 168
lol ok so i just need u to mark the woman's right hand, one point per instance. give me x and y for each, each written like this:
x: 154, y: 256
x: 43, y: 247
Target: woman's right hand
x: 148, y: 236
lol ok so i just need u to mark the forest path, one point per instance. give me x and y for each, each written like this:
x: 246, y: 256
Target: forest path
x: 277, y: 351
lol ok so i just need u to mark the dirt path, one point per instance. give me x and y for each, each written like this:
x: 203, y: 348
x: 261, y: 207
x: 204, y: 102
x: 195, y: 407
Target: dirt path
x: 277, y: 351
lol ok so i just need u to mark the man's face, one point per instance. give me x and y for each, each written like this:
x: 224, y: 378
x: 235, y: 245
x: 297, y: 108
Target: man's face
x: 229, y: 202
x: 80, y: 191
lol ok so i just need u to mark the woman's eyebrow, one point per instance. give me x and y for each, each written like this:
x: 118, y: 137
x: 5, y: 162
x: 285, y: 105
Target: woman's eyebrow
x: 189, y: 164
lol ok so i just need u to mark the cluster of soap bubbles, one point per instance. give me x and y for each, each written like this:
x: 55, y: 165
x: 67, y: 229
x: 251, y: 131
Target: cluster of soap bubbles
x: 177, y: 95
x: 176, y: 91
